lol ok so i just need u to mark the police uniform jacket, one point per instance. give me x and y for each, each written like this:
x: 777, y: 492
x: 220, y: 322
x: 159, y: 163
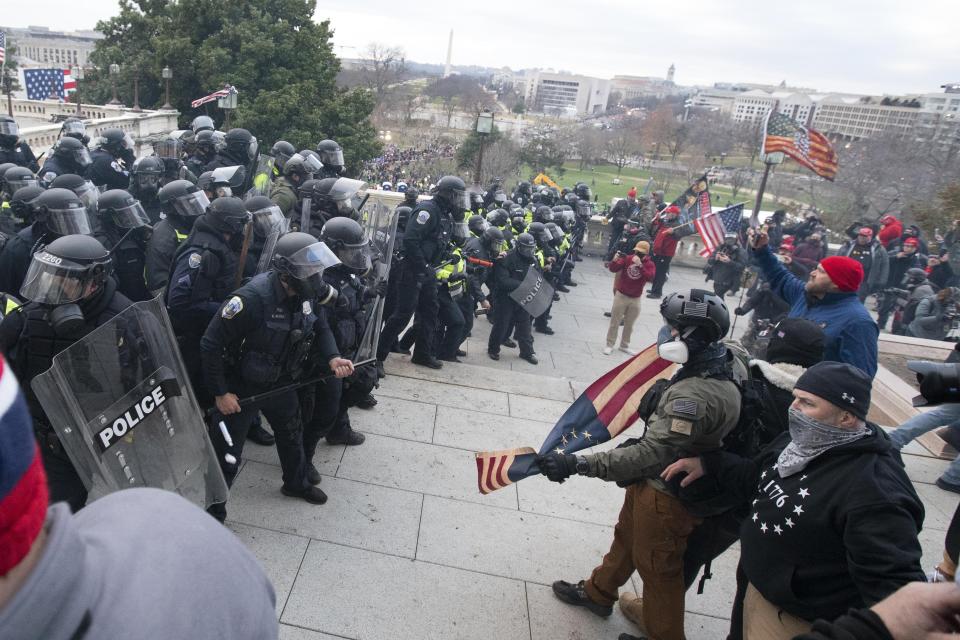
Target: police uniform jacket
x: 107, y: 171
x: 161, y: 247
x: 347, y: 318
x: 477, y: 274
x: 267, y: 335
x: 426, y: 237
x: 509, y: 272
x: 203, y: 275
x: 19, y: 154
x: 15, y: 259
x: 128, y: 251
x: 53, y: 167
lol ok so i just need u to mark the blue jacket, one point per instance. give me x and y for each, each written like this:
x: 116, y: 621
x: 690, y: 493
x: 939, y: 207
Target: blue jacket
x: 851, y: 333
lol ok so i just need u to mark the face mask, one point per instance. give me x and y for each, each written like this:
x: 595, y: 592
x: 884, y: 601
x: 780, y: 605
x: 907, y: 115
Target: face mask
x: 810, y: 438
x: 670, y: 347
x: 66, y: 319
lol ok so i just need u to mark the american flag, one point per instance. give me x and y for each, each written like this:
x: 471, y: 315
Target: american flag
x: 3, y: 47
x: 604, y: 411
x: 809, y: 148
x: 227, y: 90
x: 42, y: 83
x: 69, y: 84
x: 713, y: 226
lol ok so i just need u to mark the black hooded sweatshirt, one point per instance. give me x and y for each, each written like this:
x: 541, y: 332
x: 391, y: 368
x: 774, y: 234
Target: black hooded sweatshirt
x: 840, y: 534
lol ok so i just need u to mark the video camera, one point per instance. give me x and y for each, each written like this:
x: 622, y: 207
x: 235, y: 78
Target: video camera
x: 939, y: 382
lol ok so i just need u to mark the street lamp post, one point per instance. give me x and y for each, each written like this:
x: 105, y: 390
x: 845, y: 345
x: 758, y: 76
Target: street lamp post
x: 78, y: 76
x: 167, y: 74
x: 136, y: 90
x: 484, y: 128
x: 8, y: 87
x: 114, y: 72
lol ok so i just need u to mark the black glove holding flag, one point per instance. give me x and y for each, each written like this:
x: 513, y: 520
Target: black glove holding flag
x: 557, y: 466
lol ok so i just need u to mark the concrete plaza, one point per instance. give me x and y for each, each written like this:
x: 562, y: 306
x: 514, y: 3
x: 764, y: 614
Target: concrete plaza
x: 407, y: 547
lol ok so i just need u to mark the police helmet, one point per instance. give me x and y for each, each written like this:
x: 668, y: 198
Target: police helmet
x: 62, y: 212
x: 386, y: 185
x: 241, y: 143
x: 6, y: 166
x: 539, y: 232
x: 83, y: 188
x: 22, y: 203
x: 206, y: 142
x: 267, y: 217
x: 16, y: 178
x: 9, y: 131
x: 330, y: 153
x: 72, y: 150
x: 182, y: 198
x: 703, y: 311
x: 410, y: 196
x: 202, y: 123
x: 401, y: 187
x: 543, y: 214
x: 281, y: 152
x: 556, y: 234
x: 301, y: 258
x: 337, y: 196
x: 498, y: 217
x: 227, y: 215
x: 115, y: 140
x: 146, y: 173
x: 583, y: 191
x: 346, y: 239
x: 493, y: 239
x: 451, y: 193
x: 74, y: 128
x: 476, y: 224
x: 120, y: 208
x: 301, y: 166
x: 169, y: 148
x: 526, y: 245
x: 67, y: 270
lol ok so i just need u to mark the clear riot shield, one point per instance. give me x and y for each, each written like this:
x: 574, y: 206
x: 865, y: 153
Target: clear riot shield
x: 380, y: 224
x: 262, y: 177
x: 122, y: 405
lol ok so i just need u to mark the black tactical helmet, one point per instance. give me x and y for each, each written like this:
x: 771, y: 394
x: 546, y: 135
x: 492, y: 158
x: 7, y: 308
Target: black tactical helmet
x: 337, y: 196
x: 410, y: 196
x: 83, y: 189
x: 115, y: 141
x: 543, y: 214
x: 72, y: 150
x: 302, y: 258
x: 74, y: 128
x: 16, y: 178
x: 451, y: 193
x: 403, y: 215
x: 498, y: 217
x: 62, y: 212
x: 67, y: 270
x: 227, y: 215
x: 555, y: 233
x: 539, y: 232
x: 22, y: 205
x: 702, y: 310
x: 526, y: 245
x: 476, y: 225
x: 146, y: 173
x: 267, y: 217
x: 306, y: 190
x: 281, y: 152
x: 346, y: 239
x: 202, y: 123
x: 583, y: 191
x: 916, y: 275
x: 6, y: 166
x: 121, y: 209
x: 205, y: 180
x: 330, y: 153
x: 302, y: 165
x: 9, y: 131
x: 493, y: 239
x: 476, y: 200
x: 206, y: 142
x: 182, y: 198
x: 241, y: 143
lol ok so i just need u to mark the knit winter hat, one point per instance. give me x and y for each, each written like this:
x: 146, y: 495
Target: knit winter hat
x: 643, y: 246
x: 845, y: 272
x: 796, y: 341
x: 23, y: 483
x: 840, y: 384
x: 632, y: 193
x: 865, y: 231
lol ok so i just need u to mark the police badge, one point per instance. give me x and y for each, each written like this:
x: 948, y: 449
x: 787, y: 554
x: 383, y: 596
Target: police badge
x: 194, y: 260
x: 233, y: 307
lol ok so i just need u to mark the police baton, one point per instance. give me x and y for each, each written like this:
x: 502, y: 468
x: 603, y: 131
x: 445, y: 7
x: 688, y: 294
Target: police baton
x: 244, y: 249
x: 266, y: 395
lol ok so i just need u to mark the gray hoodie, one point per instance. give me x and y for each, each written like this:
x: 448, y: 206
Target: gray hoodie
x: 141, y: 563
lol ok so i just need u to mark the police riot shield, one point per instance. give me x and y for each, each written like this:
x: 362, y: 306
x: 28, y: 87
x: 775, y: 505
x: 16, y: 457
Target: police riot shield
x: 380, y: 224
x: 122, y: 406
x: 534, y: 294
x: 262, y: 177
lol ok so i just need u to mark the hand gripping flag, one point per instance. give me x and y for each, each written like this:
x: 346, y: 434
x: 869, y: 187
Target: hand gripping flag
x: 604, y: 411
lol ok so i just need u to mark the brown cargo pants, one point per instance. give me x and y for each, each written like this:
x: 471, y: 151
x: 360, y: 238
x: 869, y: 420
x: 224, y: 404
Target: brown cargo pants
x: 650, y: 537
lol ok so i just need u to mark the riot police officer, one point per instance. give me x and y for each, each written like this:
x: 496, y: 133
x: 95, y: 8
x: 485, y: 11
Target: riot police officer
x: 89, y: 195
x: 20, y: 213
x: 204, y: 151
x: 393, y: 279
x: 331, y: 198
x: 69, y: 293
x: 145, y: 178
x: 202, y: 123
x: 508, y: 272
x: 453, y: 302
x: 425, y: 244
x: 347, y: 319
x: 69, y: 155
x: 297, y: 170
x: 264, y: 337
x: 331, y: 157
x: 241, y: 148
x: 59, y: 213
x: 75, y: 128
x: 268, y: 225
x: 12, y: 149
x: 281, y: 152
x: 124, y: 230
x: 204, y: 272
x: 111, y: 160
x: 410, y: 197
x: 170, y: 152
x: 476, y: 224
x: 16, y: 178
x: 181, y: 203
x: 480, y: 254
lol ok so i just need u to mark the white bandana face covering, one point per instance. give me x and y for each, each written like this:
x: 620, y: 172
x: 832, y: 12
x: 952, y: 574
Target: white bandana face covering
x: 808, y: 439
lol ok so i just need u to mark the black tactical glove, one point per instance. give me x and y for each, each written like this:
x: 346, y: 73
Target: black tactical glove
x: 557, y: 466
x: 457, y: 277
x: 380, y: 287
x: 739, y: 311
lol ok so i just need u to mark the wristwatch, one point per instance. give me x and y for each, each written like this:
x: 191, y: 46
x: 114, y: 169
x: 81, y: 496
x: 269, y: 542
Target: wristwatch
x: 582, y: 465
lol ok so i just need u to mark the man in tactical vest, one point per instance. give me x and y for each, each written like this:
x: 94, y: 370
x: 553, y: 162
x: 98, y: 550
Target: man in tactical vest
x: 425, y: 245
x: 692, y: 414
x: 70, y: 293
x: 182, y: 203
x: 124, y: 230
x: 296, y: 171
x: 265, y: 337
x: 508, y: 274
x: 145, y: 179
x: 68, y: 155
x: 331, y: 156
x: 112, y: 160
x: 12, y: 149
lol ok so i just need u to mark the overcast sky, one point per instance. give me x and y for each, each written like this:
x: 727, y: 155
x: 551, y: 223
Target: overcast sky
x: 880, y: 46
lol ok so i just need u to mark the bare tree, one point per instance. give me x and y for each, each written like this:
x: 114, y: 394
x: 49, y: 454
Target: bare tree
x: 738, y: 179
x: 658, y: 129
x: 589, y: 143
x: 620, y: 146
x: 382, y: 67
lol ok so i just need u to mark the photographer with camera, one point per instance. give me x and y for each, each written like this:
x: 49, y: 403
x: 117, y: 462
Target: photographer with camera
x: 936, y: 315
x: 727, y: 264
x: 634, y: 270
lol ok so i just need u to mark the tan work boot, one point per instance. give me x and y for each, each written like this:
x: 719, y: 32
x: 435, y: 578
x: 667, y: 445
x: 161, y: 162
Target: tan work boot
x: 632, y: 607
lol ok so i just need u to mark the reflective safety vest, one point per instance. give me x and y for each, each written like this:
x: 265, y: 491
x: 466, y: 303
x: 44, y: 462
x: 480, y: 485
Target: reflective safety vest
x: 444, y: 273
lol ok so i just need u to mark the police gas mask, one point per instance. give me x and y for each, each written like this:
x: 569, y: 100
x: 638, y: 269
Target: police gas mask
x: 313, y: 288
x: 66, y: 320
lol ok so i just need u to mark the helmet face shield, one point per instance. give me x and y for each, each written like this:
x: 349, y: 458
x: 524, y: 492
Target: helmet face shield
x: 55, y: 281
x: 355, y: 256
x: 311, y: 260
x: 191, y: 205
x: 168, y: 148
x: 331, y: 157
x: 345, y: 193
x: 9, y: 128
x: 69, y: 221
x: 268, y: 220
x: 130, y: 217
x: 526, y: 250
x: 460, y: 200
x: 81, y: 157
x: 14, y: 185
x: 75, y: 128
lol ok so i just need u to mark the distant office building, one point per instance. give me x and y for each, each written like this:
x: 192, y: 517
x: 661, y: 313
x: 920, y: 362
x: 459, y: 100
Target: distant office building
x: 720, y: 100
x: 634, y: 87
x: 41, y: 47
x: 753, y: 106
x: 565, y: 95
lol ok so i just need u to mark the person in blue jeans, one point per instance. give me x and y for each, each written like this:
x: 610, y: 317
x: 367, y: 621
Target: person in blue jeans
x: 943, y: 415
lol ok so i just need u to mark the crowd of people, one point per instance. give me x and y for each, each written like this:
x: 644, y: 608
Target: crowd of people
x: 271, y: 295
x: 398, y: 168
